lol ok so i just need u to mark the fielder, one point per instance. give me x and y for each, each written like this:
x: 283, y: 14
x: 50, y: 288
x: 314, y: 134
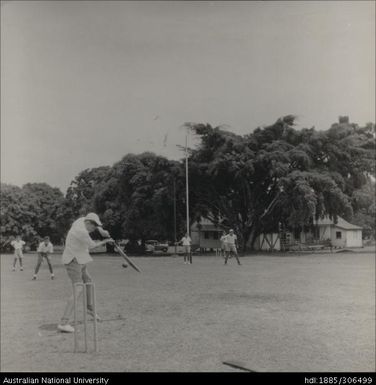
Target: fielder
x: 223, y: 244
x: 44, y: 250
x: 18, y: 245
x: 186, y: 241
x: 231, y: 243
x: 75, y: 258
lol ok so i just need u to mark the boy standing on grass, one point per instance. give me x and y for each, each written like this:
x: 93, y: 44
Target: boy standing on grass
x: 186, y: 241
x: 231, y: 242
x: 44, y: 250
x: 75, y: 258
x: 223, y: 244
x: 18, y: 245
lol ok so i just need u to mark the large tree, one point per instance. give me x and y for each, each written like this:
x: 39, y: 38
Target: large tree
x: 136, y: 197
x: 49, y: 208
x: 33, y: 211
x: 80, y: 193
x: 17, y: 214
x: 278, y: 175
x: 363, y: 201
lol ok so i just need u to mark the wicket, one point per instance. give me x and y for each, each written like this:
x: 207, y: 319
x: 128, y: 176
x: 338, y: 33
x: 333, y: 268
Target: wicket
x: 85, y: 287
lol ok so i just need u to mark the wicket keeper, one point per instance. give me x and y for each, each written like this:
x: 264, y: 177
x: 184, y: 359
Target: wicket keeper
x: 223, y: 244
x: 44, y: 250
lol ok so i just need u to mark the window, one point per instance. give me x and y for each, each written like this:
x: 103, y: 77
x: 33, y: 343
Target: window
x: 215, y: 235
x: 338, y: 235
x: 206, y: 235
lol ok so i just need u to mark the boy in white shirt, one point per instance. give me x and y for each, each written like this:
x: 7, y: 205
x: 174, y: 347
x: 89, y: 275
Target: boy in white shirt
x: 44, y: 250
x: 231, y: 241
x: 186, y: 241
x: 75, y: 258
x: 223, y: 244
x: 18, y: 245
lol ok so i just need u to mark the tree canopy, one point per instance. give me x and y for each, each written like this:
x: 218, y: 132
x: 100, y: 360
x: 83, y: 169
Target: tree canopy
x: 33, y: 211
x: 278, y: 175
x: 275, y: 176
x: 136, y: 198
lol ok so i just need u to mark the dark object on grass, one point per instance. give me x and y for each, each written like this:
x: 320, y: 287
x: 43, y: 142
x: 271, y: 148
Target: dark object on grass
x: 124, y: 265
x: 237, y: 365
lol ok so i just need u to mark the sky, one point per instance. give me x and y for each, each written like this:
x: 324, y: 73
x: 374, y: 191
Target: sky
x: 84, y: 83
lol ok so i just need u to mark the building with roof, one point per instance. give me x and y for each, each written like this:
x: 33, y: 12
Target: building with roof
x: 341, y: 234
x: 324, y: 232
x: 205, y: 235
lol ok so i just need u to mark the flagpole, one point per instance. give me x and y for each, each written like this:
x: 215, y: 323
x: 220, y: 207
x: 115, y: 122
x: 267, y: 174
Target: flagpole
x: 186, y: 180
x: 175, y: 240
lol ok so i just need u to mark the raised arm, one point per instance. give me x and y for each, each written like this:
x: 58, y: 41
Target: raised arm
x: 103, y: 233
x: 100, y: 243
x: 90, y: 243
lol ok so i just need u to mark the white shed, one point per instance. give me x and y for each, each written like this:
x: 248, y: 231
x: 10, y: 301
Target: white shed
x: 341, y: 234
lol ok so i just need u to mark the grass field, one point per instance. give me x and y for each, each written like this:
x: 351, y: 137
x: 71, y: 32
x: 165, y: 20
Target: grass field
x: 274, y: 313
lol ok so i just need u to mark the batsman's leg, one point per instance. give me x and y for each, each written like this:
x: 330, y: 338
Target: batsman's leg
x: 69, y: 307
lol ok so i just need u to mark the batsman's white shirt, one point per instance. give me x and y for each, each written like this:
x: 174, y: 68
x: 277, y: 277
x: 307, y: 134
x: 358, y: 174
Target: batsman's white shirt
x: 43, y: 248
x: 78, y: 243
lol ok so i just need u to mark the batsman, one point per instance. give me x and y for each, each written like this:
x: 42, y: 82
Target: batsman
x: 75, y: 258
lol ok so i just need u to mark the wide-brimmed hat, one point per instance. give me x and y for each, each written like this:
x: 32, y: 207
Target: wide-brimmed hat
x: 93, y: 218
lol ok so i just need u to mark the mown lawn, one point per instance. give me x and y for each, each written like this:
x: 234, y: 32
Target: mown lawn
x: 274, y: 313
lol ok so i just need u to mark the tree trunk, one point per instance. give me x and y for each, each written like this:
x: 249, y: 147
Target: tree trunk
x: 252, y: 237
x: 245, y: 237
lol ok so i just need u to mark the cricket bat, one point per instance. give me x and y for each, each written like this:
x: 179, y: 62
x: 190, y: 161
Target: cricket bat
x: 131, y: 263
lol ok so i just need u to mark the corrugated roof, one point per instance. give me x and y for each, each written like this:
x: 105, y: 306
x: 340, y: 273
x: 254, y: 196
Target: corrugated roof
x: 340, y: 223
